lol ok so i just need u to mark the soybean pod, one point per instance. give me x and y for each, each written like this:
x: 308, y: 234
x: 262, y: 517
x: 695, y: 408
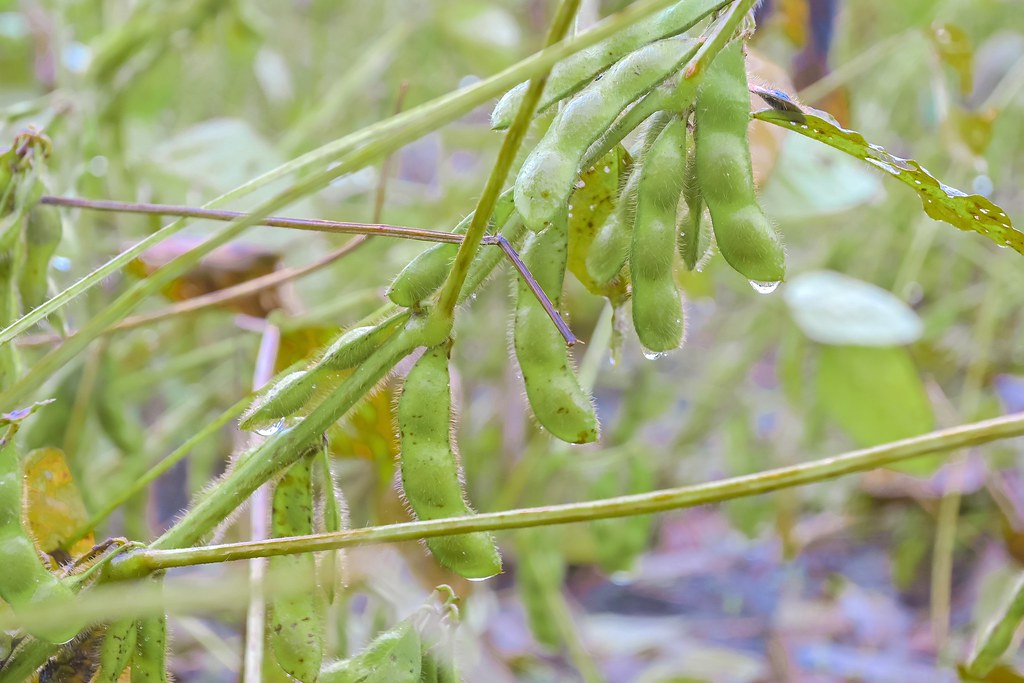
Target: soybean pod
x: 744, y: 234
x: 574, y: 72
x: 657, y: 308
x: 545, y: 180
x: 43, y: 232
x: 431, y: 474
x: 552, y: 388
x: 149, y: 661
x: 25, y: 583
x: 427, y: 272
x: 392, y: 657
x: 293, y: 392
x: 694, y: 236
x: 116, y: 650
x: 610, y: 248
x: 296, y: 624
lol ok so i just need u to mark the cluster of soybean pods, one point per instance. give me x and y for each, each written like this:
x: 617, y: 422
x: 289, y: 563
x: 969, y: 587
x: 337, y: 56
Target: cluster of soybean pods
x: 692, y: 155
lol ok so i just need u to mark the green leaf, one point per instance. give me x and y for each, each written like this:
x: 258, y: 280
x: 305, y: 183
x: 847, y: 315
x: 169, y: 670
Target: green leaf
x: 832, y: 308
x: 941, y: 202
x: 875, y: 395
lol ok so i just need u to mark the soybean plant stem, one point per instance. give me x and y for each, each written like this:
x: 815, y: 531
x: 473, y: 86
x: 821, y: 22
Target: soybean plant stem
x: 317, y: 225
x: 452, y: 288
x: 973, y: 434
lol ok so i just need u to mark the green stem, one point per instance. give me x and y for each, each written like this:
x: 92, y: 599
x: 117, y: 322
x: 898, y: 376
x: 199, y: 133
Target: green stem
x: 145, y: 561
x: 378, y: 139
x: 1000, y: 634
x: 449, y: 296
x: 285, y: 447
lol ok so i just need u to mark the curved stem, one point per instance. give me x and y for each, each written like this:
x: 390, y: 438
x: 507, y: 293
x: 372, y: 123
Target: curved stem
x: 145, y: 561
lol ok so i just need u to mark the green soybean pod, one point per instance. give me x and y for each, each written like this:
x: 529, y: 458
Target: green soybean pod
x: 43, y: 232
x: 25, y: 583
x: 539, y: 578
x: 574, y: 72
x: 744, y: 234
x: 431, y: 474
x: 425, y: 274
x: 10, y: 363
x: 610, y: 248
x: 545, y: 180
x: 657, y: 308
x: 393, y: 656
x: 694, y: 235
x: 296, y: 624
x: 552, y: 388
x: 283, y: 399
x: 116, y: 650
x: 333, y: 518
x: 149, y: 661
x: 354, y: 346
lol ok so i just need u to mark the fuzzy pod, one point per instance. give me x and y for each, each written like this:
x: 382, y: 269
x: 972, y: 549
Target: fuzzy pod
x: 296, y: 621
x: 43, y: 233
x: 116, y: 651
x: 546, y: 178
x: 745, y: 236
x: 657, y: 308
x: 392, y: 657
x: 539, y: 578
x: 430, y: 470
x: 610, y: 248
x: 693, y: 234
x: 572, y: 73
x: 149, y: 662
x: 25, y: 583
x: 559, y: 403
x: 285, y: 398
x: 425, y: 274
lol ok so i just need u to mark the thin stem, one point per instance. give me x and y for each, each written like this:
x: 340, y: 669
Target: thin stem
x: 986, y: 431
x: 723, y: 32
x: 318, y: 225
x: 311, y: 224
x: 449, y: 296
x: 217, y: 298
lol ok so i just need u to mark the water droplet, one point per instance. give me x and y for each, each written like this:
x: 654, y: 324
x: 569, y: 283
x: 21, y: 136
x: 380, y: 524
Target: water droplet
x: 764, y: 287
x: 481, y: 578
x: 271, y: 429
x: 654, y: 355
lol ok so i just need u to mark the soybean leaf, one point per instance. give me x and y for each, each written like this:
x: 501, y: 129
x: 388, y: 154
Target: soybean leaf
x: 941, y: 202
x: 53, y: 504
x: 875, y: 395
x: 832, y: 308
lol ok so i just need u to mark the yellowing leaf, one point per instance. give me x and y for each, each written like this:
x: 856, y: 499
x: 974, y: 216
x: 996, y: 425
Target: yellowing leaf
x: 941, y: 202
x: 875, y: 395
x: 954, y: 48
x: 53, y: 506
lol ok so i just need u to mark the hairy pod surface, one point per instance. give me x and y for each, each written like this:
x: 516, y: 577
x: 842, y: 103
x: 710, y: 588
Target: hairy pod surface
x: 43, y: 232
x: 552, y: 388
x: 149, y: 662
x: 610, y: 247
x: 25, y: 583
x: 116, y: 650
x: 295, y: 621
x: 657, y: 308
x: 744, y: 234
x: 425, y: 274
x: 545, y: 180
x: 392, y: 657
x: 431, y: 476
x: 574, y: 72
x: 283, y: 399
x: 694, y: 235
